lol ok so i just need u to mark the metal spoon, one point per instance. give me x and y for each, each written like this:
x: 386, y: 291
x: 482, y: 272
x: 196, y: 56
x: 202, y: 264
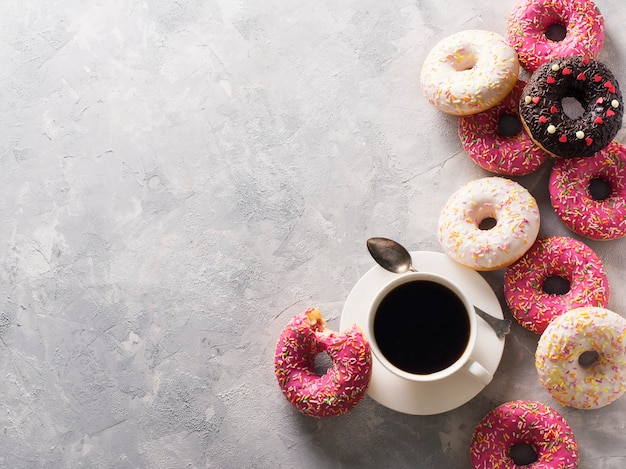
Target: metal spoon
x: 392, y: 256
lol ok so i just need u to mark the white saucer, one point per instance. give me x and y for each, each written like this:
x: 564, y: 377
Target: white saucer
x: 412, y: 397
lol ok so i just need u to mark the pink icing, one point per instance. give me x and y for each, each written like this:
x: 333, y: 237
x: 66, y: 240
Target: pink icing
x: 572, y: 201
x: 511, y: 156
x: 523, y: 422
x: 529, y: 20
x: 556, y: 256
x: 345, y: 382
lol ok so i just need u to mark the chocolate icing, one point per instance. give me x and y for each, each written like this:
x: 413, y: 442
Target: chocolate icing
x: 590, y: 83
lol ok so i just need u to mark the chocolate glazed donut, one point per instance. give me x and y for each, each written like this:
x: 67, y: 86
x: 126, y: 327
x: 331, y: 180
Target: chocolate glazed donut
x: 591, y: 84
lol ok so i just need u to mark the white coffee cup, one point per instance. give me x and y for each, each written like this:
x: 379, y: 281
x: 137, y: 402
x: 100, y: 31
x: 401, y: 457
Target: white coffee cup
x: 403, y: 306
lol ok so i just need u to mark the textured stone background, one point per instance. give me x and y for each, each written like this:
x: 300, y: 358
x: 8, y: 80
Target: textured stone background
x: 179, y: 178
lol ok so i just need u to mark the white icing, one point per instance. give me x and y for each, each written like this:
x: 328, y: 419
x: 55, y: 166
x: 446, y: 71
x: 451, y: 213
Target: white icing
x: 469, y: 72
x: 511, y: 205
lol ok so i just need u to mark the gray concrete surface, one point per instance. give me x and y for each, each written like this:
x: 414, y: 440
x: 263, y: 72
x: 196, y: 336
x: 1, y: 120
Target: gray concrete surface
x: 179, y: 178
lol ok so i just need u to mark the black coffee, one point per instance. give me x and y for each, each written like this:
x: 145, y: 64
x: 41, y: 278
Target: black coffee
x: 421, y: 327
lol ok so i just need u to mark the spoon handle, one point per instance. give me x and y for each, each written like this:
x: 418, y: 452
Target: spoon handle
x: 501, y: 326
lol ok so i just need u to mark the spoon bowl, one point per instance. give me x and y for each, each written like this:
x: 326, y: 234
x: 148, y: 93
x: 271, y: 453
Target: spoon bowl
x: 390, y: 255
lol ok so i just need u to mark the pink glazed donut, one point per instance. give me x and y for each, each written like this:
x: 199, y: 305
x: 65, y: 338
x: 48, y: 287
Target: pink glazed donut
x: 495, y: 151
x: 601, y: 218
x: 557, y: 256
x: 523, y: 433
x: 345, y: 382
x: 530, y: 20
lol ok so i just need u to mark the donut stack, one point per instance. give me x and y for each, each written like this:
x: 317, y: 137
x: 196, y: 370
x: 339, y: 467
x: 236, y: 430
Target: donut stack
x: 567, y: 112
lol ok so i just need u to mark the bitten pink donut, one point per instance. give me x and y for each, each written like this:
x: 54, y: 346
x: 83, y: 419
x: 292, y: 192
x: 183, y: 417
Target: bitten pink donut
x: 561, y: 257
x: 509, y: 152
x: 581, y: 358
x: 600, y: 218
x: 345, y: 382
x: 523, y: 433
x: 531, y: 20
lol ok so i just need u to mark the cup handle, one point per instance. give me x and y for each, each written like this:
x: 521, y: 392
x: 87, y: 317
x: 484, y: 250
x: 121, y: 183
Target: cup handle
x: 479, y: 372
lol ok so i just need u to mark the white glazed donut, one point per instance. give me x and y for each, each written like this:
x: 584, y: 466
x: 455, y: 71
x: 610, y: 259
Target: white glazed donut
x: 469, y: 72
x: 466, y: 238
x: 581, y: 357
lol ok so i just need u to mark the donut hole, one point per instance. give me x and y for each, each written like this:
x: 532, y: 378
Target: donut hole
x: 509, y: 125
x: 487, y: 224
x: 523, y: 454
x: 599, y: 189
x: 555, y: 285
x: 464, y: 62
x: 556, y: 32
x: 572, y: 107
x: 588, y: 359
x: 322, y: 363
